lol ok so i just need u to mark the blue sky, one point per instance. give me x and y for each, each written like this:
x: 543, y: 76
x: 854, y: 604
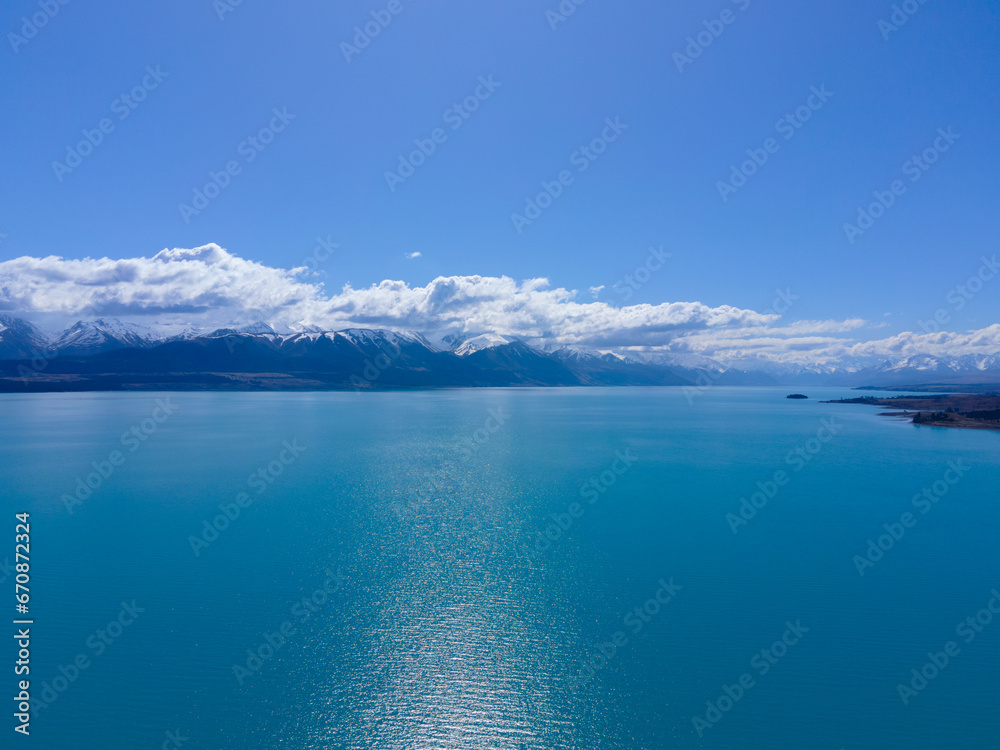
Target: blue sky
x: 324, y: 174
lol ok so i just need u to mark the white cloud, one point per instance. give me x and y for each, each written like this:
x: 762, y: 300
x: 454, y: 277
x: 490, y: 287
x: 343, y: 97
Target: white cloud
x: 809, y: 343
x: 528, y: 309
x: 210, y: 287
x: 910, y: 344
x: 204, y: 283
x: 416, y: 254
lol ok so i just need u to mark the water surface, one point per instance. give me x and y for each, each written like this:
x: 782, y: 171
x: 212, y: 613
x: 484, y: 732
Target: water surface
x: 438, y: 617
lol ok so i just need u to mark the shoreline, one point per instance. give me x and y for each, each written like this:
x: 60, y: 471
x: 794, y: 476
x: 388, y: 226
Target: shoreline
x: 963, y: 411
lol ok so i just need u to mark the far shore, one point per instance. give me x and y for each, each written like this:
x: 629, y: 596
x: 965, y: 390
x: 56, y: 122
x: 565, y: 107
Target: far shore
x: 966, y: 411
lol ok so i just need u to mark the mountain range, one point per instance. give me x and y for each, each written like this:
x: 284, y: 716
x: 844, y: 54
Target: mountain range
x: 110, y: 354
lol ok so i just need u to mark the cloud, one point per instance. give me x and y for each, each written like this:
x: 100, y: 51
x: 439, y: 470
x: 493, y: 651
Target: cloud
x: 416, y: 254
x: 210, y: 287
x: 810, y: 343
x: 206, y: 282
x: 528, y: 309
x: 910, y: 344
x: 595, y: 291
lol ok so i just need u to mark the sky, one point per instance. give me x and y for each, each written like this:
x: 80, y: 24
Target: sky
x: 693, y: 176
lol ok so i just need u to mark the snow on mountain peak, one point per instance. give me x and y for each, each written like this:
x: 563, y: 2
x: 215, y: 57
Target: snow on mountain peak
x: 687, y: 360
x: 104, y: 334
x: 376, y: 336
x: 20, y: 339
x: 480, y: 342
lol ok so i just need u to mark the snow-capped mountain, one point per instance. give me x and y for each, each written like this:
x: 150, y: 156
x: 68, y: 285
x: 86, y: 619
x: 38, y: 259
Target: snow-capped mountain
x: 480, y: 342
x: 370, y: 339
x: 407, y: 359
x: 186, y: 334
x: 20, y: 339
x: 85, y: 338
x: 257, y: 328
x: 365, y: 337
x: 582, y: 354
x: 685, y: 360
x: 596, y: 367
x: 955, y: 365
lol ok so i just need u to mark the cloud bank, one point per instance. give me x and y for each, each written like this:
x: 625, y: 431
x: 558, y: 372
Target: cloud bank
x: 209, y: 287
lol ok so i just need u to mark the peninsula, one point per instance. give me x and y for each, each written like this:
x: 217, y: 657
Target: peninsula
x: 971, y: 411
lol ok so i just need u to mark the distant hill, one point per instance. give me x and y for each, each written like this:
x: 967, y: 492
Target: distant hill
x: 19, y: 339
x: 109, y: 354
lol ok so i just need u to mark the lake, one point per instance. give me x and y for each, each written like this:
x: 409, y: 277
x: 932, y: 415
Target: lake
x: 503, y: 568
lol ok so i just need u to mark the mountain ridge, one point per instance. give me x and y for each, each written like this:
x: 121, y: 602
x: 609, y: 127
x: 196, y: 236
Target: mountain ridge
x: 114, y: 350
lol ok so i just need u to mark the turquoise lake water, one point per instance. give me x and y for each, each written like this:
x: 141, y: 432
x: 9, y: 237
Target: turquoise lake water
x: 536, y: 568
